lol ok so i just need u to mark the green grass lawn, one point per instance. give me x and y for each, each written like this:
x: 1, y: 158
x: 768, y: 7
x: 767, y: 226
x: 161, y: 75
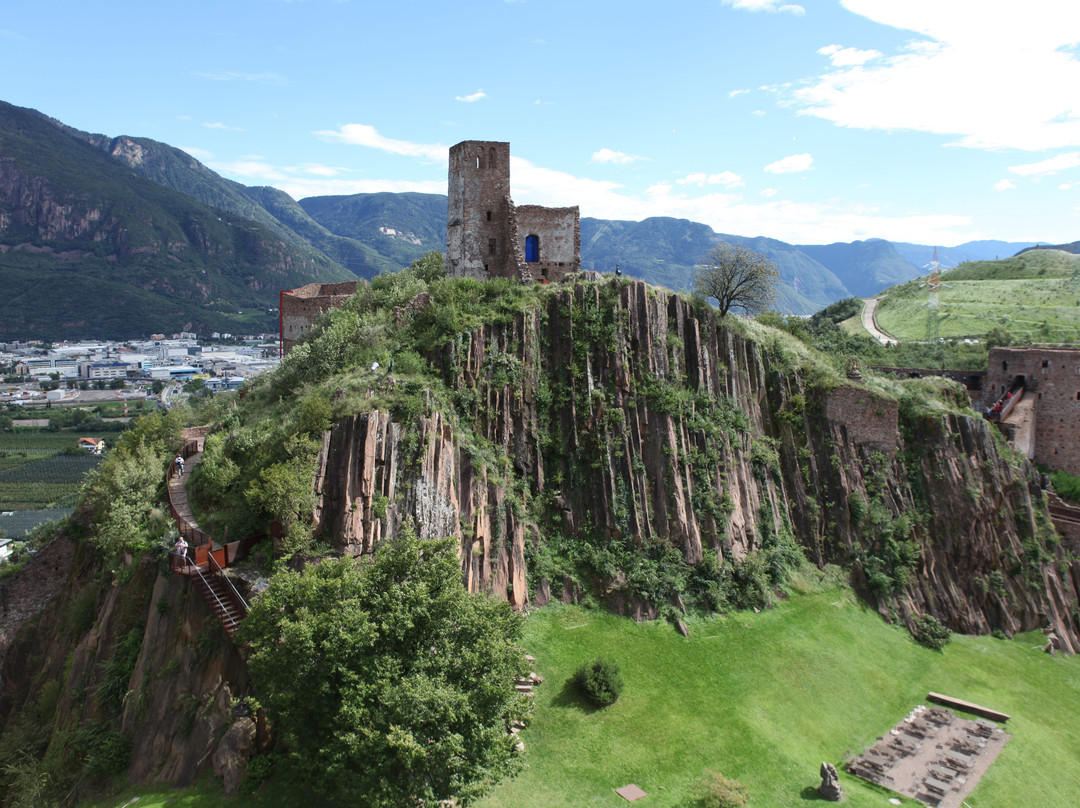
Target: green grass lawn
x: 1036, y: 297
x: 764, y: 698
x: 767, y: 697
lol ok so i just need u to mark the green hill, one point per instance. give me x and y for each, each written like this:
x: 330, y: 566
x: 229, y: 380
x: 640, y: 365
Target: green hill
x: 1034, y: 296
x: 88, y: 248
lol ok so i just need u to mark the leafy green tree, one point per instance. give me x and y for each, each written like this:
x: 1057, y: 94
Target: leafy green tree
x: 388, y: 681
x: 737, y: 277
x: 429, y: 267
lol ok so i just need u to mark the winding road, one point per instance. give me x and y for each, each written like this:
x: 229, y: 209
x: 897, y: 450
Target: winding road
x: 869, y: 321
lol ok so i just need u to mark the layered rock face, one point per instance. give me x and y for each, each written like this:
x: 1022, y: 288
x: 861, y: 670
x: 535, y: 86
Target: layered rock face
x: 147, y: 657
x: 623, y: 417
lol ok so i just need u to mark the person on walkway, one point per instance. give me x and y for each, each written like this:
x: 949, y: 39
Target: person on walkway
x: 180, y: 465
x: 181, y: 549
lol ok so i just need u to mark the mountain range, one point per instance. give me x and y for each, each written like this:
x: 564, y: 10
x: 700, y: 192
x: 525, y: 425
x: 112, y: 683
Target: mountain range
x: 123, y: 236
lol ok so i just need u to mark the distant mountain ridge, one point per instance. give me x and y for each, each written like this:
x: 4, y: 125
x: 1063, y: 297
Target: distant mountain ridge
x: 331, y: 238
x: 90, y: 248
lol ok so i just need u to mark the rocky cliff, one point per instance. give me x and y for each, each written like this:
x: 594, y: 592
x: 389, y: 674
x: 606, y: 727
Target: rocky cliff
x: 619, y: 420
x: 123, y: 671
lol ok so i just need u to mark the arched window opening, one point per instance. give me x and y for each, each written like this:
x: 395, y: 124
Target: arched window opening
x: 532, y: 249
x: 489, y: 215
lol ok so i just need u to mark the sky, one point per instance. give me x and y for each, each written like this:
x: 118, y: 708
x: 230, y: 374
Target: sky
x: 928, y: 121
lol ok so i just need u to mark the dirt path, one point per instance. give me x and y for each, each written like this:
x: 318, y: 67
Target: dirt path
x: 869, y: 321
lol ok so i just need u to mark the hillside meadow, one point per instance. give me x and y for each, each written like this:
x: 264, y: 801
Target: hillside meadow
x: 1034, y: 296
x: 764, y: 698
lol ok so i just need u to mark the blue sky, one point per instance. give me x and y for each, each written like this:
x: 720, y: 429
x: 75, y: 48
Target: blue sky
x: 931, y: 121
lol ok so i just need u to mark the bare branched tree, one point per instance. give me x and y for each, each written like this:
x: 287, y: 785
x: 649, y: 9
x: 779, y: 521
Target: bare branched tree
x: 737, y: 277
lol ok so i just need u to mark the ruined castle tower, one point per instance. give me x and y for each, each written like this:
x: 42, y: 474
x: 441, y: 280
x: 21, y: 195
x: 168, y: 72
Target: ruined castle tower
x: 487, y: 236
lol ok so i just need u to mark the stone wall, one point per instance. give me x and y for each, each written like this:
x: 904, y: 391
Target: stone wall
x: 558, y: 231
x: 869, y: 420
x: 300, y: 307
x: 1052, y: 378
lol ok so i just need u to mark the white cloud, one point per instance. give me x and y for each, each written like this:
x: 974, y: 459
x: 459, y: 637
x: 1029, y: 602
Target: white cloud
x: 359, y: 134
x: 771, y: 6
x: 223, y: 126
x: 1050, y: 166
x: 737, y: 93
x: 612, y: 156
x: 729, y: 179
x: 201, y: 155
x: 994, y: 73
x: 791, y: 164
x: 236, y: 75
x: 769, y: 193
x: 319, y: 170
x: 1004, y: 185
x: 472, y: 97
x: 846, y: 57
x: 11, y: 34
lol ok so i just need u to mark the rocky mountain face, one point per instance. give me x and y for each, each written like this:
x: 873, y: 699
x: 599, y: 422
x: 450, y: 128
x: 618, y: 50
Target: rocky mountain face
x: 622, y: 417
x: 90, y: 249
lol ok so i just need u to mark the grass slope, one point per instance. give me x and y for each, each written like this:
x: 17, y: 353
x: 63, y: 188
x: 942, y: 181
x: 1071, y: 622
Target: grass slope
x: 1034, y: 296
x: 766, y: 697
x: 760, y: 697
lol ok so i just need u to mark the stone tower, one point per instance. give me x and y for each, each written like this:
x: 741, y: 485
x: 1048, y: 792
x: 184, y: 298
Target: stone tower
x: 479, y: 231
x: 487, y: 236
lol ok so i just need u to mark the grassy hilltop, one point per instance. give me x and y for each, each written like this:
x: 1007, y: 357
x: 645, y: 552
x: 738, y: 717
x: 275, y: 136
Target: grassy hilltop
x: 1034, y: 296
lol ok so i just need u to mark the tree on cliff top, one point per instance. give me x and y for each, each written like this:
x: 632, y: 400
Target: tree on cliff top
x: 389, y: 682
x: 737, y: 277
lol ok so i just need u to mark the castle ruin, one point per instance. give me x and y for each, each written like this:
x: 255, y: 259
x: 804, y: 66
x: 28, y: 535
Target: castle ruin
x: 1042, y: 416
x: 488, y: 236
x: 298, y: 308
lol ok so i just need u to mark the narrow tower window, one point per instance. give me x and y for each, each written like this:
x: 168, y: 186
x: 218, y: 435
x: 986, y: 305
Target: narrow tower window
x: 489, y: 215
x: 491, y: 157
x: 491, y: 246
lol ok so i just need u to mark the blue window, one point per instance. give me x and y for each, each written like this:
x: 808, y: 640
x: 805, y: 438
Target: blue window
x: 532, y: 249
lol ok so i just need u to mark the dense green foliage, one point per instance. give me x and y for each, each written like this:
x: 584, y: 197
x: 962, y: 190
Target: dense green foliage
x: 388, y: 682
x: 930, y: 632
x: 122, y: 494
x: 599, y: 681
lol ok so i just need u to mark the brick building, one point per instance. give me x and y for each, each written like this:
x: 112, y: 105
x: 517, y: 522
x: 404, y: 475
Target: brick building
x: 1051, y: 380
x: 488, y: 236
x: 298, y: 308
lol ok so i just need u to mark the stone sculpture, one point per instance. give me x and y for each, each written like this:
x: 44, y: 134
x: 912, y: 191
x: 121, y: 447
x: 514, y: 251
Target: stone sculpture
x: 830, y: 783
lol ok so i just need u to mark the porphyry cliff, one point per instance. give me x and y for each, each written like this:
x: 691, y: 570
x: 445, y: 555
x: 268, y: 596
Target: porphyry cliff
x: 622, y: 417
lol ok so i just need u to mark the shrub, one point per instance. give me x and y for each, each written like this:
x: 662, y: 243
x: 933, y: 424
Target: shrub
x: 714, y: 790
x: 930, y: 632
x: 599, y: 681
